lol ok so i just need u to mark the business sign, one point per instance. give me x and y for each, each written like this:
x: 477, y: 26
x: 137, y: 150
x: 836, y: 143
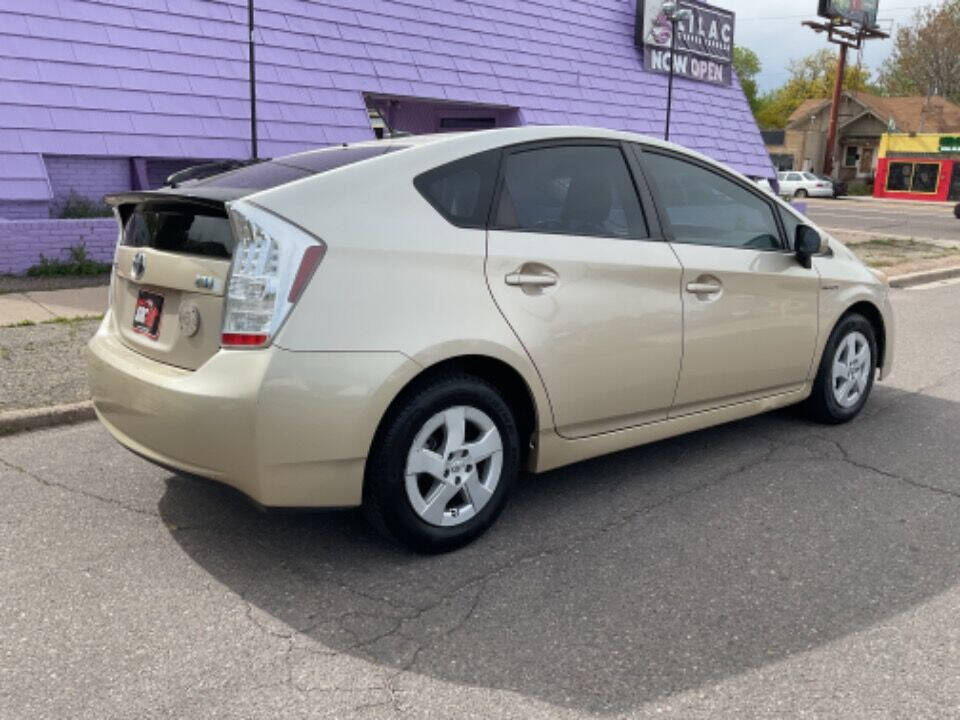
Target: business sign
x: 704, y: 42
x: 858, y: 12
x: 949, y: 144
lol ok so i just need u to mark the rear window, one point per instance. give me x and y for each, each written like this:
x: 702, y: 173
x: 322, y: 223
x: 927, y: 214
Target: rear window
x: 273, y: 173
x: 810, y: 176
x: 462, y: 190
x: 179, y: 228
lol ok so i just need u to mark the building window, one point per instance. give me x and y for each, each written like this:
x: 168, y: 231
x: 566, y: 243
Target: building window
x: 913, y: 177
x: 851, y: 156
x: 782, y: 161
x: 467, y: 123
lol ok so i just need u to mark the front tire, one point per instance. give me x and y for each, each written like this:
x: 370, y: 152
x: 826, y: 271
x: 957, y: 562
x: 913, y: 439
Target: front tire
x: 847, y: 369
x: 442, y: 465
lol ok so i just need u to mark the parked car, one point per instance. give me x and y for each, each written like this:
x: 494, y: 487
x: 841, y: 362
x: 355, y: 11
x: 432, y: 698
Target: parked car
x: 839, y: 186
x: 804, y: 184
x: 408, y: 324
x: 765, y: 185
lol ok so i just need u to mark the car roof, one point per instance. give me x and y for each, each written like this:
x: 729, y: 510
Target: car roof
x: 469, y: 142
x: 460, y: 144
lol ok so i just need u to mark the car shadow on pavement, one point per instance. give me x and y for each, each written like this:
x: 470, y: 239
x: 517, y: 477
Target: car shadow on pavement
x: 628, y: 578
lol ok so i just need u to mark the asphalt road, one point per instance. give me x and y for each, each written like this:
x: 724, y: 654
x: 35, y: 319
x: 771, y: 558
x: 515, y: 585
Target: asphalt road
x: 885, y: 219
x: 769, y: 568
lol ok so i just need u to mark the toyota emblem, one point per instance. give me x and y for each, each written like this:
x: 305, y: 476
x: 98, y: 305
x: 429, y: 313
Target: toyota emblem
x: 138, y: 265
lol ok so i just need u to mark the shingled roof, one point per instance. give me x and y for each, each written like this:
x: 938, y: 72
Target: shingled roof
x: 910, y: 114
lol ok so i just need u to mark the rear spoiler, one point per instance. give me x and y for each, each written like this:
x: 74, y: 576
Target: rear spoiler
x: 124, y: 203
x: 208, y: 201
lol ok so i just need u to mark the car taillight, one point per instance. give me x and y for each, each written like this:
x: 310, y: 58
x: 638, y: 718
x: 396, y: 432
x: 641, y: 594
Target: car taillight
x: 273, y: 260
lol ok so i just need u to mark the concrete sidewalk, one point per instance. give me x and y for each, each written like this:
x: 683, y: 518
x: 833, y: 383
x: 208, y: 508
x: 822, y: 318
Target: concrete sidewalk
x: 44, y: 306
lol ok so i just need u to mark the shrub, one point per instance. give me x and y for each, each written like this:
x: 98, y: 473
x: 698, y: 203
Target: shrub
x: 859, y: 187
x: 77, y: 206
x: 79, y: 263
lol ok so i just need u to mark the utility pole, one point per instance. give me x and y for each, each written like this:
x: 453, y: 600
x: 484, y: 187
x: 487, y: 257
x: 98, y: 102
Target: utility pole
x: 835, y: 111
x: 253, y: 83
x: 848, y: 29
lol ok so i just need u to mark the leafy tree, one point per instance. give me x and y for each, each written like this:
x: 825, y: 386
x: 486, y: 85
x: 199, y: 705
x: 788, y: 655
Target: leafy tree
x: 811, y: 77
x: 747, y: 65
x: 926, y: 54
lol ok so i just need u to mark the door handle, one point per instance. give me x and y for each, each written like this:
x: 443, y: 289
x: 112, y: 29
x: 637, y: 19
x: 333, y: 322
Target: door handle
x: 704, y: 288
x: 534, y: 279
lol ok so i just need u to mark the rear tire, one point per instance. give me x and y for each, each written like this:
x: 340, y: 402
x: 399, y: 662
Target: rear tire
x: 847, y: 369
x: 801, y: 193
x: 442, y: 464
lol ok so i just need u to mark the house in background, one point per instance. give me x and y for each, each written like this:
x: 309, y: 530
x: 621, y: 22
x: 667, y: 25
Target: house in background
x: 863, y: 120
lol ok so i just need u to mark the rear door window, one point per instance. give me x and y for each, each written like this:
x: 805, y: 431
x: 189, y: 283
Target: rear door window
x: 570, y: 190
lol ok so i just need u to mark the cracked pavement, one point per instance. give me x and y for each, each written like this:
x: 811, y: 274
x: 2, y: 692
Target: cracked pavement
x: 767, y: 568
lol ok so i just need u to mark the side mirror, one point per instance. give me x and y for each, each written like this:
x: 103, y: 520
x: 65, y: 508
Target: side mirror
x: 806, y: 243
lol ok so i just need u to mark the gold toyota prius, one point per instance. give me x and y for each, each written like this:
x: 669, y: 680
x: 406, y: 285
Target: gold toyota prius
x: 408, y: 324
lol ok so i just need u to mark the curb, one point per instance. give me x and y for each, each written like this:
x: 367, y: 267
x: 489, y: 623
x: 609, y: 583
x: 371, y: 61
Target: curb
x: 921, y: 278
x: 14, y: 421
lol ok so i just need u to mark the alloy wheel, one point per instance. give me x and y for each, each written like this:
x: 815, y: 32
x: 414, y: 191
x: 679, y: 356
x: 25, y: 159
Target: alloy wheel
x: 453, y: 466
x: 852, y: 364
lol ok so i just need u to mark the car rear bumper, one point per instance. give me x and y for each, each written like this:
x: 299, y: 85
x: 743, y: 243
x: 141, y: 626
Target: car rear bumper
x: 289, y: 429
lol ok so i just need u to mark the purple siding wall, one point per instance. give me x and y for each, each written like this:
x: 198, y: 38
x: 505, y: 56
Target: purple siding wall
x: 89, y: 177
x: 23, y: 176
x: 23, y: 210
x: 22, y: 242
x: 169, y: 79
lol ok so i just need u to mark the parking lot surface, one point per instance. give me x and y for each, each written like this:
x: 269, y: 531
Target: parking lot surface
x: 767, y: 568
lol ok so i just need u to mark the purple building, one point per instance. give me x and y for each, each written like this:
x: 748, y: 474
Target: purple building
x: 105, y: 95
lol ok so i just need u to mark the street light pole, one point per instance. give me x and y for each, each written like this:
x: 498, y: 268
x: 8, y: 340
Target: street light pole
x: 674, y: 13
x: 253, y: 83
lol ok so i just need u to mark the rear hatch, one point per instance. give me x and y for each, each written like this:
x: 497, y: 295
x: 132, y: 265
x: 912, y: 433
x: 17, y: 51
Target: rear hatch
x: 170, y: 273
x: 173, y: 261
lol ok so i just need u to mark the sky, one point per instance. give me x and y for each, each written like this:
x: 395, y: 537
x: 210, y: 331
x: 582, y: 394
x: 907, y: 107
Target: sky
x: 772, y: 29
